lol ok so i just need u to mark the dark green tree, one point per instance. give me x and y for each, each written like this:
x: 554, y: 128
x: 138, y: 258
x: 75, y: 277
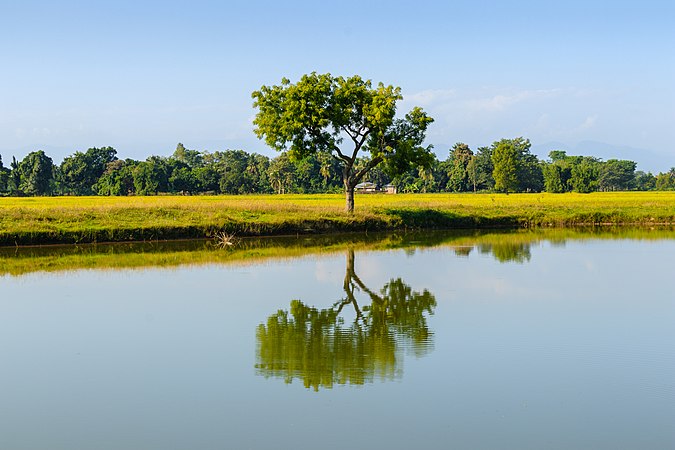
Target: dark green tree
x: 584, y: 174
x: 320, y: 112
x: 666, y: 181
x: 281, y: 173
x: 117, y: 179
x: 80, y: 171
x: 483, y: 179
x: 458, y: 164
x: 36, y: 172
x: 644, y: 181
x: 192, y: 158
x: 616, y: 175
x: 505, y: 161
x: 151, y: 176
x: 4, y: 177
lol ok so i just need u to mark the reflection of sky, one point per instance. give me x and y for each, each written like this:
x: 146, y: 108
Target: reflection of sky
x: 574, y: 347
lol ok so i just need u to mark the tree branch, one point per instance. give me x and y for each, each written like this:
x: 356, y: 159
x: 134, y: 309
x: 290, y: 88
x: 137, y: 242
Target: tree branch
x: 372, y: 163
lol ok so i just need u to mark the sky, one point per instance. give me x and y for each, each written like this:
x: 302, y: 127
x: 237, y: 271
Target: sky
x: 589, y: 77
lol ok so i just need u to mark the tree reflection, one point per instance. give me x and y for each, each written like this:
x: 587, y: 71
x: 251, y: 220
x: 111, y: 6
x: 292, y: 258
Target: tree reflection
x: 518, y: 252
x: 322, y: 347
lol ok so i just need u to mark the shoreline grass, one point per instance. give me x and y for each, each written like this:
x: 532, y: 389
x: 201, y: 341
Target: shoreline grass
x: 69, y: 220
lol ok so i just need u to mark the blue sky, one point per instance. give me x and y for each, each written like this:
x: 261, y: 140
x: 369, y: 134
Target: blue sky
x: 143, y: 76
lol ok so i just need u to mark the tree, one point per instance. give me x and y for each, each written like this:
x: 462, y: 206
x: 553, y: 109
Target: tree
x: 666, y: 181
x: 616, y: 175
x: 281, y: 172
x: 190, y: 157
x: 505, y: 172
x: 80, y: 171
x: 644, y: 181
x: 151, y: 176
x: 557, y: 172
x: 515, y: 168
x: 584, y: 177
x: 117, y: 179
x: 36, y: 174
x: 483, y: 179
x: 458, y: 174
x: 320, y: 112
x: 4, y: 177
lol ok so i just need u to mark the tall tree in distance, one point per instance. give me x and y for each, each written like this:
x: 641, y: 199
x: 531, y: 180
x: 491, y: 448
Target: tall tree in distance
x: 4, y: 176
x: 36, y: 174
x: 505, y: 172
x: 458, y: 174
x: 320, y: 112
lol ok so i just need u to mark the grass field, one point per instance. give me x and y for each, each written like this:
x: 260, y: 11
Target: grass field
x: 43, y: 220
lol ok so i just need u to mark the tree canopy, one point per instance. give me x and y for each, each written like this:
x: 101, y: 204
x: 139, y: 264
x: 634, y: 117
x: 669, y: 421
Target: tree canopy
x: 319, y: 113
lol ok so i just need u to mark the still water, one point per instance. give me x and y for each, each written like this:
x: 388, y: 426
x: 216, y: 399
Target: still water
x: 523, y: 341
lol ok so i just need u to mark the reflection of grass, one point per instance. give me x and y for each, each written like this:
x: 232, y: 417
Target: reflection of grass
x: 506, y: 246
x: 92, y: 219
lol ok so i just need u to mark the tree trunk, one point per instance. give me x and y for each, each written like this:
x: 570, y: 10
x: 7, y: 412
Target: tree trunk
x: 349, y: 197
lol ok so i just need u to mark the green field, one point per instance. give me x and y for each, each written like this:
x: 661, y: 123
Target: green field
x: 43, y: 220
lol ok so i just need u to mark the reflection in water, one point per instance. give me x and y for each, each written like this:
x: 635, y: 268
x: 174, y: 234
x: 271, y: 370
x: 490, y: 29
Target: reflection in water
x: 508, y: 251
x: 506, y: 246
x: 318, y: 347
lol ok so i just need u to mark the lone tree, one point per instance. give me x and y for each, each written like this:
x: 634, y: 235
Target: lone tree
x: 320, y: 112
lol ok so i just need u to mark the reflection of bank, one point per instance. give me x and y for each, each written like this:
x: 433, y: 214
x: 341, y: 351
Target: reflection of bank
x: 318, y: 347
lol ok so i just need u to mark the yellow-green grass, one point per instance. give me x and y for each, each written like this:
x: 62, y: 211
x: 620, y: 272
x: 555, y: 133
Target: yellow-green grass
x: 41, y: 220
x: 503, y: 245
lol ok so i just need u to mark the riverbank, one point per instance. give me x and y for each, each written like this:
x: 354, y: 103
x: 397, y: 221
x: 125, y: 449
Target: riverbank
x: 71, y: 220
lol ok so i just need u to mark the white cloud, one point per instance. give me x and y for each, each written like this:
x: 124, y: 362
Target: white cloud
x: 432, y: 97
x: 589, y: 122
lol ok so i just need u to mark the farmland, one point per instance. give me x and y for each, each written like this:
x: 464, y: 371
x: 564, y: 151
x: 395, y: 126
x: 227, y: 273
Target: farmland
x: 50, y: 220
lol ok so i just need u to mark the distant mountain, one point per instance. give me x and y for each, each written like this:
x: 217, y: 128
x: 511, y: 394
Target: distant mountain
x: 647, y: 160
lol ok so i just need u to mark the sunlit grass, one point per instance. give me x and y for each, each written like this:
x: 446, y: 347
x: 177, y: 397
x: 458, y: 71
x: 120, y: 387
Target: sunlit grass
x: 91, y: 219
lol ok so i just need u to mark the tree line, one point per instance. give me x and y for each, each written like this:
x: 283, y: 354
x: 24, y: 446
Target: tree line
x: 505, y: 166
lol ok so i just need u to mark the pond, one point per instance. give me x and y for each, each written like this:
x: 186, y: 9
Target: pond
x: 523, y: 340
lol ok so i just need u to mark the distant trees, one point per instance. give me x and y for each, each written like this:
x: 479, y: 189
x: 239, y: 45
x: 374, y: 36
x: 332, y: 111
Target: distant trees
x: 4, y: 177
x: 515, y: 169
x: 666, y: 181
x: 36, y: 174
x: 80, y: 172
x: 506, y: 165
x: 459, y: 177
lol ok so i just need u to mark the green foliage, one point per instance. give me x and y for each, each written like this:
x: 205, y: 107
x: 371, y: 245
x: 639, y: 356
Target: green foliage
x: 117, y: 179
x: 459, y: 179
x: 644, y: 181
x: 515, y: 168
x: 4, y: 177
x: 666, y: 181
x: 36, y: 172
x: 80, y: 172
x: 319, y: 112
x: 584, y: 175
x: 616, y: 175
x: 505, y: 161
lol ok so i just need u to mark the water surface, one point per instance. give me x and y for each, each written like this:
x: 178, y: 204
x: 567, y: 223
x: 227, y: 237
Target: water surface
x: 517, y: 340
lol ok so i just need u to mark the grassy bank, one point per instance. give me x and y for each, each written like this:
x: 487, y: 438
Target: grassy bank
x: 46, y: 220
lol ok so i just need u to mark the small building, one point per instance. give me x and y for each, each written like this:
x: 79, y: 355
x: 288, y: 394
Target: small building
x: 390, y: 189
x: 366, y: 188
